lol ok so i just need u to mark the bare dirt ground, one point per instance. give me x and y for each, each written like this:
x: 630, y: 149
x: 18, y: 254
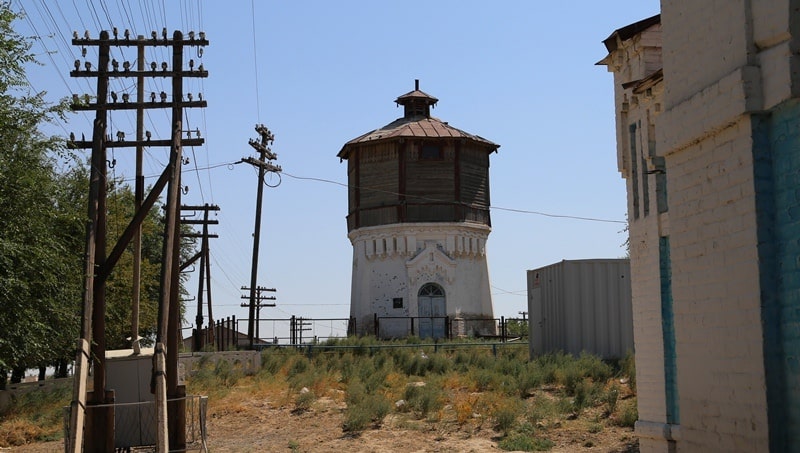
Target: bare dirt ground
x: 271, y: 425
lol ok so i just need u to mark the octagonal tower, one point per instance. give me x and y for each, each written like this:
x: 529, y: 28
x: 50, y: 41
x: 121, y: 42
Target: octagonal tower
x: 418, y: 221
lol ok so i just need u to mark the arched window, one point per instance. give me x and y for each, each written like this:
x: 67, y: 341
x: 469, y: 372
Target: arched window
x: 431, y: 289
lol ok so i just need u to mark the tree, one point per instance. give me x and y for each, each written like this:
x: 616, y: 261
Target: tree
x: 43, y: 217
x: 32, y: 260
x: 517, y: 327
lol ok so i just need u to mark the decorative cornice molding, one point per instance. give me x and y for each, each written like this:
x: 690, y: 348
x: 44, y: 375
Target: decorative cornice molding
x: 454, y: 239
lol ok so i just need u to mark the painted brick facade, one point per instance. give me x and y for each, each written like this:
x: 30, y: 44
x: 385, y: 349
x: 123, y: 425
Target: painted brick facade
x: 727, y: 140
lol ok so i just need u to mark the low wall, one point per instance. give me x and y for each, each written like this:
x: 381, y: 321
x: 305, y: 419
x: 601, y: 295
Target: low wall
x: 47, y: 385
x: 250, y: 362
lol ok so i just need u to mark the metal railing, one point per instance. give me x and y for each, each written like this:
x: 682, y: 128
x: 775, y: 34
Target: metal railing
x: 135, y: 424
x: 387, y: 327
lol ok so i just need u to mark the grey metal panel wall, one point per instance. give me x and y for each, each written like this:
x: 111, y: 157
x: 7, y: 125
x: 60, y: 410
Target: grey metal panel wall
x: 582, y: 305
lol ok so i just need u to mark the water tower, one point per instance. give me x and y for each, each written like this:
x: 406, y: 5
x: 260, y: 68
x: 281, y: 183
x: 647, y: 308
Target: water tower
x: 418, y: 220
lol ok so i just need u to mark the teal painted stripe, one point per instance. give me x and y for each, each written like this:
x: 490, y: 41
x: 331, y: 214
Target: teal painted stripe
x: 668, y: 333
x: 776, y: 156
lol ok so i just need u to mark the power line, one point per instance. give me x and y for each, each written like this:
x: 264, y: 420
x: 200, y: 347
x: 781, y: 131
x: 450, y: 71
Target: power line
x: 255, y: 59
x: 498, y: 208
x: 513, y: 293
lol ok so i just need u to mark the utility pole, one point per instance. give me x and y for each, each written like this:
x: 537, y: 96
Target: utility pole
x: 264, y: 165
x: 259, y: 303
x: 205, y: 275
x: 297, y: 325
x: 98, y: 264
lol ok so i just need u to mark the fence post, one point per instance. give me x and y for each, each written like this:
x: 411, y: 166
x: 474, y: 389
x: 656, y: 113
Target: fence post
x: 448, y: 327
x: 502, y: 329
x: 235, y: 333
x: 412, y: 326
x: 218, y: 334
x: 375, y: 317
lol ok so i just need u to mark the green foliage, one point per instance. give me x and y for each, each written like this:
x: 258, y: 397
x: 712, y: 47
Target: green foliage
x: 586, y: 394
x: 505, y: 415
x: 424, y: 399
x: 38, y: 318
x: 629, y: 415
x: 611, y: 398
x: 522, y: 442
x: 595, y: 428
x: 628, y: 369
x: 34, y: 416
x: 525, y: 439
x: 216, y: 376
x: 531, y: 378
x: 272, y: 360
x: 304, y: 400
x: 517, y: 327
x: 42, y: 245
x: 363, y: 408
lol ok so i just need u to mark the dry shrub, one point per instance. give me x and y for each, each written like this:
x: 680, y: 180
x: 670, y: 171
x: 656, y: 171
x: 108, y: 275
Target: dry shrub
x: 456, y: 381
x: 464, y: 405
x: 15, y: 432
x: 505, y: 414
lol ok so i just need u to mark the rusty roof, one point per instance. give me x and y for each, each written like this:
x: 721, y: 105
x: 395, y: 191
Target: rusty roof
x: 416, y: 127
x: 416, y: 94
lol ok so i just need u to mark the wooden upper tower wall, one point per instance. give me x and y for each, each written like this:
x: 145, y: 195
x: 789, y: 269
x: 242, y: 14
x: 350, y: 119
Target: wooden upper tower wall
x: 417, y: 169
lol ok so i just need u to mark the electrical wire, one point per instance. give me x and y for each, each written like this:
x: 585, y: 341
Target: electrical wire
x: 522, y: 292
x: 255, y: 59
x: 418, y: 197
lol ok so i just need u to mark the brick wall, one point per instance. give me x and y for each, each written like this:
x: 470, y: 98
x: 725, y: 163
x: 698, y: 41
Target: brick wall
x: 716, y: 293
x: 723, y: 62
x: 635, y: 59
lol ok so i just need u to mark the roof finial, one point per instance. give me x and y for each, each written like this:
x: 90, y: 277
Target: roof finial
x: 416, y: 84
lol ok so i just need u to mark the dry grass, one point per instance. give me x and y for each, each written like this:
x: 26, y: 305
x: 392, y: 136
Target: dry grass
x: 33, y: 417
x: 556, y: 401
x: 465, y: 391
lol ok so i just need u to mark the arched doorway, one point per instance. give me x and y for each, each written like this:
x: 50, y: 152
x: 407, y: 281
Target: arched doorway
x: 432, y: 310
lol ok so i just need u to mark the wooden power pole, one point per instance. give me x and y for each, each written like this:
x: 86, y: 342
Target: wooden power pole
x: 198, y: 339
x: 98, y: 421
x: 264, y: 165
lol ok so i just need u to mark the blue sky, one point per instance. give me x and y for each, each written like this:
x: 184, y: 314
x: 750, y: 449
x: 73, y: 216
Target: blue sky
x: 319, y: 73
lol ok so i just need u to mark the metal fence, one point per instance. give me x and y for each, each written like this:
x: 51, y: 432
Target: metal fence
x: 298, y: 330
x: 387, y: 327
x: 135, y: 424
x: 229, y: 333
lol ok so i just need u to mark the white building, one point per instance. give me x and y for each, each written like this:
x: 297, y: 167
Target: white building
x: 418, y: 221
x: 706, y: 97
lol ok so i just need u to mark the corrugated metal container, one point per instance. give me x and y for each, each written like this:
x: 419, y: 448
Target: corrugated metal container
x: 581, y: 305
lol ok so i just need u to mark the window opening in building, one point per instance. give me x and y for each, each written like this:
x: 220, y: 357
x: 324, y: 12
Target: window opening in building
x: 430, y: 151
x: 634, y: 170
